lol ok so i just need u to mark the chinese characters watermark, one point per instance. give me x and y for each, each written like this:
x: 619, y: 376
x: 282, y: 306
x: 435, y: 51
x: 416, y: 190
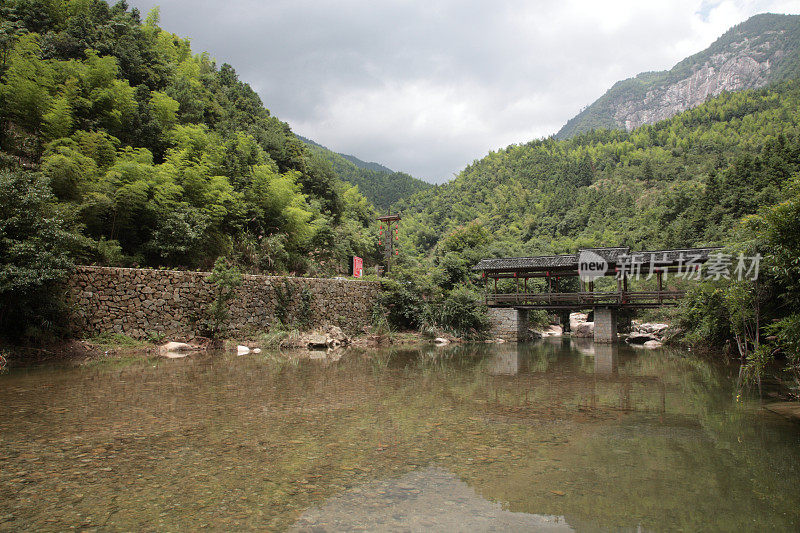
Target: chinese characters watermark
x: 689, y: 266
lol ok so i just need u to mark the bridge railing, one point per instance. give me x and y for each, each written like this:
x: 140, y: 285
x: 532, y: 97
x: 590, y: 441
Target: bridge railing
x: 626, y: 298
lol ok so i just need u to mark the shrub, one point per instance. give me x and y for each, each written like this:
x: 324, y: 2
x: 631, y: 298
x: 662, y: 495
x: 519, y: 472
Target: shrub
x: 403, y: 303
x: 226, y: 279
x: 463, y: 312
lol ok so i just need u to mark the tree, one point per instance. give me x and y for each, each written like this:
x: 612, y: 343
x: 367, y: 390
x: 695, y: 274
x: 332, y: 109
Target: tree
x: 35, y: 250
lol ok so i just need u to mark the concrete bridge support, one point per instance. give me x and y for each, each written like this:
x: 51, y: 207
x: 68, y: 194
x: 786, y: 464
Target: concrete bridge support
x: 605, y: 324
x: 509, y: 324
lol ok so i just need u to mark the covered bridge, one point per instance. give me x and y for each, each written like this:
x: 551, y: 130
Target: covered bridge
x: 588, y: 265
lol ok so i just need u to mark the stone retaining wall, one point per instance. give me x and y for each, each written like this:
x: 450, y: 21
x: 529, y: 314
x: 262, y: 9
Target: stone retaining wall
x: 141, y: 302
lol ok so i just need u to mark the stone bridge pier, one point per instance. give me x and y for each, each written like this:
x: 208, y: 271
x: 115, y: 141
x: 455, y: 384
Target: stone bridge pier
x: 509, y: 324
x: 605, y: 325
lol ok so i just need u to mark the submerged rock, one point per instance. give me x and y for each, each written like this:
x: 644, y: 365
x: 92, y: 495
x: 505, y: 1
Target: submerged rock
x: 790, y: 410
x: 242, y: 350
x: 653, y: 344
x: 174, y: 355
x: 441, y: 341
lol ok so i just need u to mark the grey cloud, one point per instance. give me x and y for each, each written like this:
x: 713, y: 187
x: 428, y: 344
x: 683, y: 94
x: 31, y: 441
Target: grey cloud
x: 428, y: 86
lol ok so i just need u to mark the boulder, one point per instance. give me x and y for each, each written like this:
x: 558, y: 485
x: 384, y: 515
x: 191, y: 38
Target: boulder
x: 640, y: 338
x: 335, y: 337
x: 552, y: 331
x: 177, y: 350
x: 583, y: 329
x: 242, y: 350
x: 317, y: 340
x: 653, y: 328
x: 335, y: 333
x: 575, y: 319
x: 652, y: 344
x: 441, y: 341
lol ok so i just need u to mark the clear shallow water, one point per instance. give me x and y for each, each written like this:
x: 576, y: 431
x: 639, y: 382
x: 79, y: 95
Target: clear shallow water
x: 553, y: 436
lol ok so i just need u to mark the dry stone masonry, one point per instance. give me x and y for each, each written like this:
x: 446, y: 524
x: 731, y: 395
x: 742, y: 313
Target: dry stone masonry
x: 143, y: 302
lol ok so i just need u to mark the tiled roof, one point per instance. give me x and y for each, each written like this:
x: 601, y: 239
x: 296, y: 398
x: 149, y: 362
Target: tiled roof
x: 612, y: 255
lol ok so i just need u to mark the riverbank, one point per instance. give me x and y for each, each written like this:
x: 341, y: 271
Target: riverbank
x: 115, y: 346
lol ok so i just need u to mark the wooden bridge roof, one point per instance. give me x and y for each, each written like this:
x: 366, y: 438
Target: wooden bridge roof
x: 612, y: 255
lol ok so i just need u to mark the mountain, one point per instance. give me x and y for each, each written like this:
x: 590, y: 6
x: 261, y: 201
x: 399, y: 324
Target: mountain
x: 759, y: 51
x: 353, y: 159
x: 682, y: 182
x: 379, y: 184
x: 366, y: 165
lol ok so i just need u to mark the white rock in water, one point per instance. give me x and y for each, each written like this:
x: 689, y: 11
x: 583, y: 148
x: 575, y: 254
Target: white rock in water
x: 441, y: 341
x: 652, y: 344
x: 176, y: 347
x: 256, y: 350
x: 242, y: 350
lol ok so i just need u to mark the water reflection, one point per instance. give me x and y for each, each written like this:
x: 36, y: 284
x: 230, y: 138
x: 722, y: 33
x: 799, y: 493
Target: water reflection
x: 605, y: 358
x: 608, y: 439
x: 431, y: 499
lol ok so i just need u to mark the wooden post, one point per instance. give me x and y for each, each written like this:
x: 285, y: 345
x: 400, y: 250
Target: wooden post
x: 619, y: 289
x: 624, y: 287
x: 526, y: 289
x: 658, y: 277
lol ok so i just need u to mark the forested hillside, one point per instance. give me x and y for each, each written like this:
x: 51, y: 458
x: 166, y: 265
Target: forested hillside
x: 155, y: 155
x: 686, y: 181
x: 761, y: 50
x: 380, y: 185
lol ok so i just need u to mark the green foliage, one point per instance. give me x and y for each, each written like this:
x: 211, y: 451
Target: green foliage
x: 403, y: 303
x: 684, y: 182
x: 36, y: 246
x: 463, y: 312
x: 382, y: 187
x: 162, y: 152
x: 226, y: 279
x: 304, y: 309
x: 283, y: 301
x: 408, y: 302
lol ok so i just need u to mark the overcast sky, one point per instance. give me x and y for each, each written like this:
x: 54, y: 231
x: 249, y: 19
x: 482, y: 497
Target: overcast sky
x: 428, y: 86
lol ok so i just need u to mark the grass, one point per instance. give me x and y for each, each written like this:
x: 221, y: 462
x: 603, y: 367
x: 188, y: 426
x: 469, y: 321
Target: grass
x: 111, y: 341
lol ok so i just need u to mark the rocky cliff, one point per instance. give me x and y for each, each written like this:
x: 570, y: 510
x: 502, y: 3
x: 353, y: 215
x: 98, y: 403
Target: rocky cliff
x: 764, y: 49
